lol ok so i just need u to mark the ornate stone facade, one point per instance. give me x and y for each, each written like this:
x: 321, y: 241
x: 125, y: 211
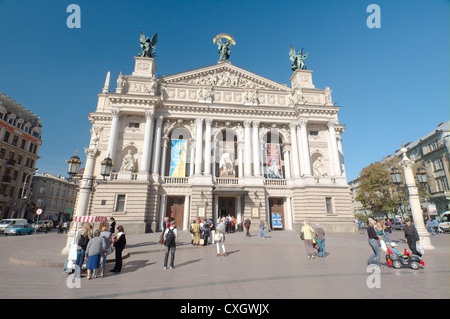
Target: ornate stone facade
x: 247, y: 146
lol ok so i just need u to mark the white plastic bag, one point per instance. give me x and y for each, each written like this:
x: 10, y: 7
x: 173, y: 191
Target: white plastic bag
x: 420, y: 249
x: 383, y: 245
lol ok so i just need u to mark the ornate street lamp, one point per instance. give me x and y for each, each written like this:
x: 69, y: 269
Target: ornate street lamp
x: 73, y: 165
x: 421, y: 175
x: 106, y: 167
x: 395, y: 175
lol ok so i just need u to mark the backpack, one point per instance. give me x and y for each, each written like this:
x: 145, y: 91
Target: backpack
x: 170, y: 238
x: 83, y: 242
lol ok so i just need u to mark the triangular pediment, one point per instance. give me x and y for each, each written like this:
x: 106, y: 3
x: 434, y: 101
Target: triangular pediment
x: 224, y: 75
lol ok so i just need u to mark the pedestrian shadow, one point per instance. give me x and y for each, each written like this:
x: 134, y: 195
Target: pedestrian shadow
x: 187, y: 263
x: 143, y: 244
x: 233, y: 252
x: 134, y: 265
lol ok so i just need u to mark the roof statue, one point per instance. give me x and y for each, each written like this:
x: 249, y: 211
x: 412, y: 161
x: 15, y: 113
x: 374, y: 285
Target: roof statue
x: 148, y: 46
x: 297, y: 59
x: 224, y: 47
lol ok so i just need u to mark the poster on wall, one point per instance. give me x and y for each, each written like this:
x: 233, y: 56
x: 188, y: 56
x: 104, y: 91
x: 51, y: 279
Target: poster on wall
x: 273, y: 160
x: 227, y: 157
x: 276, y: 220
x: 178, y: 158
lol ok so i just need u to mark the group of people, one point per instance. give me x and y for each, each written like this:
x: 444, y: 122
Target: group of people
x: 378, y: 233
x: 92, y: 247
x: 199, y: 228
x: 314, y: 240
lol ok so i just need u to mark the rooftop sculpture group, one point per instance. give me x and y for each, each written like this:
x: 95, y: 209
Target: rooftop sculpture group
x: 148, y: 49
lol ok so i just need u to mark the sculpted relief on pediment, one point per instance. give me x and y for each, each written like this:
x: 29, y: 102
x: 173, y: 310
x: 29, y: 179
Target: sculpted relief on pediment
x: 224, y: 78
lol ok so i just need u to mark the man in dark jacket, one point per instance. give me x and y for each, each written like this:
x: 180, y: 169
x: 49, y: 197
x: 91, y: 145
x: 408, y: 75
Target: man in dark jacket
x: 247, y: 224
x: 412, y: 236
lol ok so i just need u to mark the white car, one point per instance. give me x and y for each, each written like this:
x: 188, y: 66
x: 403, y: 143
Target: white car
x: 444, y: 223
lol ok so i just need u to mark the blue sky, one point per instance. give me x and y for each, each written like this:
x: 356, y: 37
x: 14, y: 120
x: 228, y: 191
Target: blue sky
x: 392, y: 83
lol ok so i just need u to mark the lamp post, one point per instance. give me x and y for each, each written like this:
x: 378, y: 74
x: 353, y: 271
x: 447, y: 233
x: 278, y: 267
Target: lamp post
x: 414, y: 200
x: 87, y: 182
x: 19, y: 215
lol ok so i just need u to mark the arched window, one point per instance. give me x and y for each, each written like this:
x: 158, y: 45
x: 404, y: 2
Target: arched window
x: 226, y: 161
x: 178, y: 157
x: 273, y: 158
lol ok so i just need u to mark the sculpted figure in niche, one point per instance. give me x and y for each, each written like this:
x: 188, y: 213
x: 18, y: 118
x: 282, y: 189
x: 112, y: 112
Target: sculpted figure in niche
x: 129, y: 162
x: 318, y: 167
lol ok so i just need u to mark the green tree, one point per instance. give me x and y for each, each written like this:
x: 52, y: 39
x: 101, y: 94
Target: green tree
x: 376, y: 190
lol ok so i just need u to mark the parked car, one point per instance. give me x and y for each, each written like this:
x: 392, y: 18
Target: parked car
x: 40, y: 226
x: 11, y: 221
x: 398, y: 225
x: 444, y: 223
x: 19, y: 229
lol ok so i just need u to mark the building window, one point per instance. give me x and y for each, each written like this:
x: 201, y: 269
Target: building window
x: 442, y: 184
x: 15, y: 140
x: 120, y: 203
x: 314, y: 133
x: 103, y: 203
x: 329, y: 205
x: 6, y: 137
x: 437, y: 164
x: 135, y: 125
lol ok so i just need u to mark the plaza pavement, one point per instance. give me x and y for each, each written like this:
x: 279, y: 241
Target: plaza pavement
x: 274, y: 268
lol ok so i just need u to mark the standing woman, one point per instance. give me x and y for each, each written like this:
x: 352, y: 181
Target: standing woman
x: 94, y: 250
x: 374, y: 242
x: 112, y: 227
x: 308, y: 232
x: 220, y: 237
x: 262, y: 225
x: 119, y: 243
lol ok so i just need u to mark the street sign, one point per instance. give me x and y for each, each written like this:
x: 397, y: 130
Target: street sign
x: 39, y: 211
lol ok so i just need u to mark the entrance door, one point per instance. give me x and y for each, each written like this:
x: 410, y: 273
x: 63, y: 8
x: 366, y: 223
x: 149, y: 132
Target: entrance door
x: 175, y: 209
x: 276, y: 211
x: 227, y: 206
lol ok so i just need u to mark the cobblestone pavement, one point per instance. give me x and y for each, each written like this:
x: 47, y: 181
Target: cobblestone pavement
x: 255, y: 268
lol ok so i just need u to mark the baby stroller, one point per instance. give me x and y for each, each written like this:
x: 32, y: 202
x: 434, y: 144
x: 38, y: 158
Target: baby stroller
x: 405, y: 259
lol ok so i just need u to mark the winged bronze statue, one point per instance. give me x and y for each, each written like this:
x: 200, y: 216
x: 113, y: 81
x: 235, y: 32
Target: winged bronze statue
x: 148, y: 46
x: 297, y: 59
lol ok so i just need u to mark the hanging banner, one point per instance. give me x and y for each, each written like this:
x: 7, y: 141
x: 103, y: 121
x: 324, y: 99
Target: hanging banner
x: 273, y: 160
x: 178, y: 158
x: 227, y: 157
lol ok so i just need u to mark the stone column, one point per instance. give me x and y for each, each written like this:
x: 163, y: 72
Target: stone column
x: 186, y: 213
x: 198, y: 146
x: 148, y: 141
x: 287, y: 162
x: 294, y: 145
x: 113, y: 135
x: 238, y: 210
x: 164, y: 155
x: 256, y: 149
x: 241, y: 159
x: 288, y: 213
x: 333, y: 148
x: 305, y: 147
x: 157, y: 154
x: 207, y: 169
x: 162, y: 210
x: 191, y: 164
x: 248, y: 149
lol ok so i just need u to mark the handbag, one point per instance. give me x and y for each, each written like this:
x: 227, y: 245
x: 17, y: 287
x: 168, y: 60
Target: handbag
x: 217, y: 236
x: 302, y: 236
x: 383, y: 245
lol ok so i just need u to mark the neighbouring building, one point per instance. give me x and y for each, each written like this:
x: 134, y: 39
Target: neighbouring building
x: 20, y: 140
x: 432, y: 151
x: 216, y: 141
x: 55, y: 195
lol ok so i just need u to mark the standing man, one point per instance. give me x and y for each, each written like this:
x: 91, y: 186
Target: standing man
x: 170, y: 235
x: 247, y: 224
x: 412, y: 236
